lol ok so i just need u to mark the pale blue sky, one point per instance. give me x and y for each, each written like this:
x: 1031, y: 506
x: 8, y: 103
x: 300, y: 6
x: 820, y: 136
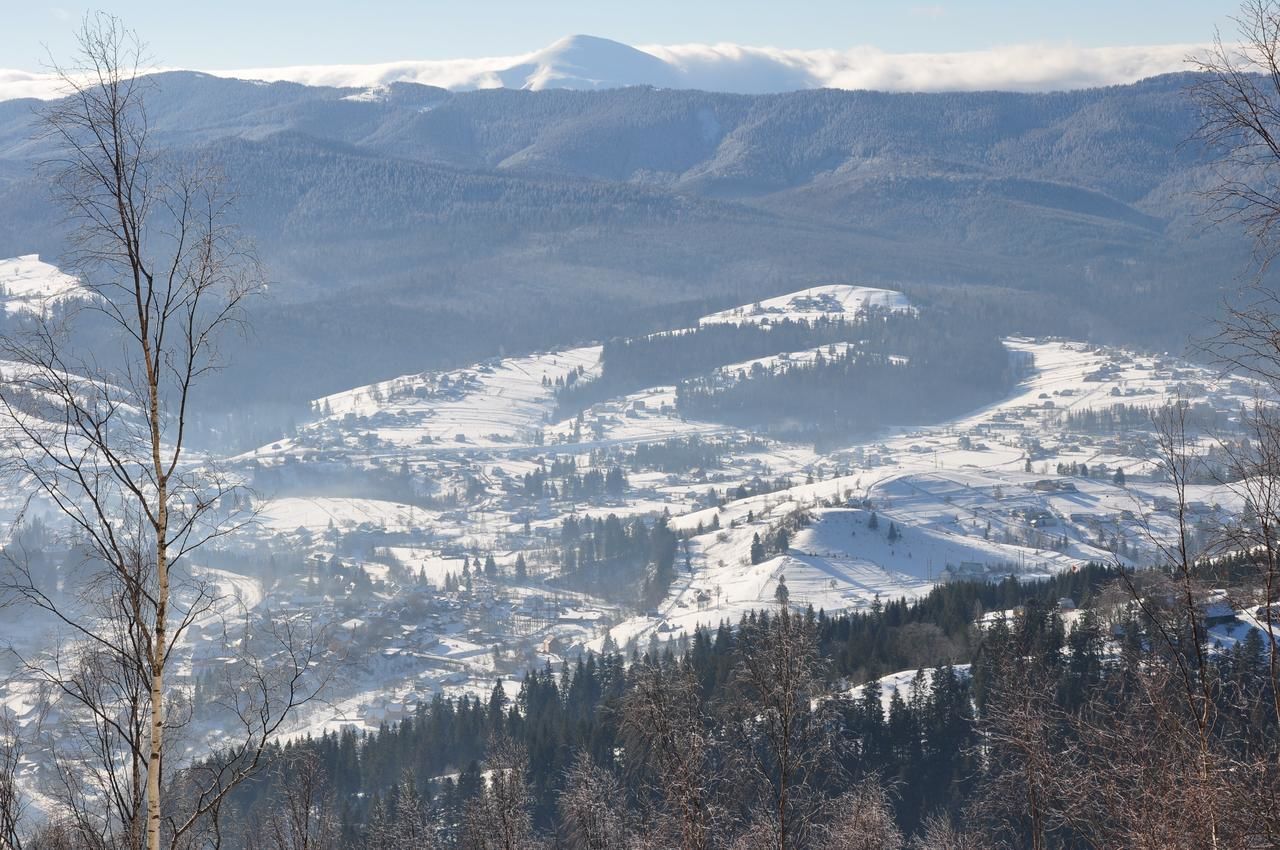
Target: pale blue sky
x: 256, y: 33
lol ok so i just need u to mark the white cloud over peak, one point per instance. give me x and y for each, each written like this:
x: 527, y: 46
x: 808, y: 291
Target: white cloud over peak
x: 585, y: 62
x: 1011, y: 68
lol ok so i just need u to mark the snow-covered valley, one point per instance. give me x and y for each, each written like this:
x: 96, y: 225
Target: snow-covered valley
x: 422, y: 520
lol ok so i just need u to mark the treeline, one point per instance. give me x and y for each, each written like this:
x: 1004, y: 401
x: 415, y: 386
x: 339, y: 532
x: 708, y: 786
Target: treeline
x: 907, y: 370
x: 686, y: 706
x: 659, y: 359
x: 1123, y: 418
x: 899, y: 635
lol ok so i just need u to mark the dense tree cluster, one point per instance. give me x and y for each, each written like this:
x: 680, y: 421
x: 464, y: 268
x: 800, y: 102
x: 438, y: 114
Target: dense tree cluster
x: 906, y: 368
x: 614, y: 557
x: 562, y: 480
x: 678, y: 455
x: 1124, y: 418
x: 659, y: 359
x: 638, y: 726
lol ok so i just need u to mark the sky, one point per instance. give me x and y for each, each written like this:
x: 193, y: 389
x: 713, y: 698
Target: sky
x: 266, y: 33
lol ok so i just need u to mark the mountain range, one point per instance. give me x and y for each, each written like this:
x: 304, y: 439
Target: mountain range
x: 413, y: 226
x: 591, y: 62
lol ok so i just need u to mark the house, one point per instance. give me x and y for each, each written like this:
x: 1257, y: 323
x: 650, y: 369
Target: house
x: 966, y: 570
x: 582, y: 616
x: 1217, y: 612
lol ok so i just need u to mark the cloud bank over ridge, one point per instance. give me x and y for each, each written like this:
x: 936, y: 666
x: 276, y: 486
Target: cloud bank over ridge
x: 587, y: 62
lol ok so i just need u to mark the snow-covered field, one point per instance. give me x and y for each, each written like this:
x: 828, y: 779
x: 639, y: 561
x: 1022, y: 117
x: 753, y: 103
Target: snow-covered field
x: 30, y: 285
x: 321, y: 513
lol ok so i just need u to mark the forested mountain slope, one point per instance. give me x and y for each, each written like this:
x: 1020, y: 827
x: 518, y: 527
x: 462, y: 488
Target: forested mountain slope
x: 434, y: 223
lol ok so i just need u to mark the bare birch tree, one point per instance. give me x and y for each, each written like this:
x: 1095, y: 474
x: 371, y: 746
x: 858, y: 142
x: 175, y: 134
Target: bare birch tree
x: 102, y: 436
x: 306, y: 816
x: 1174, y: 609
x: 1022, y: 781
x: 1239, y: 96
x: 13, y: 802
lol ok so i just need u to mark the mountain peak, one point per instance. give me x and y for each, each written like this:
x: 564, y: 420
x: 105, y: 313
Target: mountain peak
x: 589, y: 62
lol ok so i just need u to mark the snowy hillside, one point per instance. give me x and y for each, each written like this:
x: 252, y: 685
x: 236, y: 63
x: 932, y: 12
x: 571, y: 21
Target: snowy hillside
x: 959, y: 496
x: 426, y: 516
x: 834, y: 301
x: 29, y: 285
x: 488, y: 404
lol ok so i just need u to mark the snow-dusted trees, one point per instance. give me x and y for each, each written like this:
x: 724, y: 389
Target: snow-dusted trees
x: 862, y: 819
x: 402, y: 820
x: 787, y: 734
x: 499, y: 818
x: 666, y: 728
x: 591, y: 814
x: 940, y: 834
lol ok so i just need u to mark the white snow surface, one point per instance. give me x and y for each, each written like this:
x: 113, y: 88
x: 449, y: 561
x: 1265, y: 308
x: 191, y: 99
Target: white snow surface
x: 903, y: 683
x: 319, y: 513
x: 27, y: 284
x: 831, y: 301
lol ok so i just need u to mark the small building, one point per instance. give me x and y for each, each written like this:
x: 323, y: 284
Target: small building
x: 1218, y: 613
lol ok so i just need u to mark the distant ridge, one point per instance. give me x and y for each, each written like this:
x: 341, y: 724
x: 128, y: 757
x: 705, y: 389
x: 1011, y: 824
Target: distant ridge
x: 590, y: 62
x: 407, y: 226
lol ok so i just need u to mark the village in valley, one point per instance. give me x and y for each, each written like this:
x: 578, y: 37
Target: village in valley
x: 422, y: 524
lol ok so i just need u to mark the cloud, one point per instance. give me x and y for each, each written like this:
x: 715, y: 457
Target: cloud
x: 731, y: 68
x: 1012, y: 68
x: 937, y: 10
x: 460, y: 74
x: 15, y: 84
